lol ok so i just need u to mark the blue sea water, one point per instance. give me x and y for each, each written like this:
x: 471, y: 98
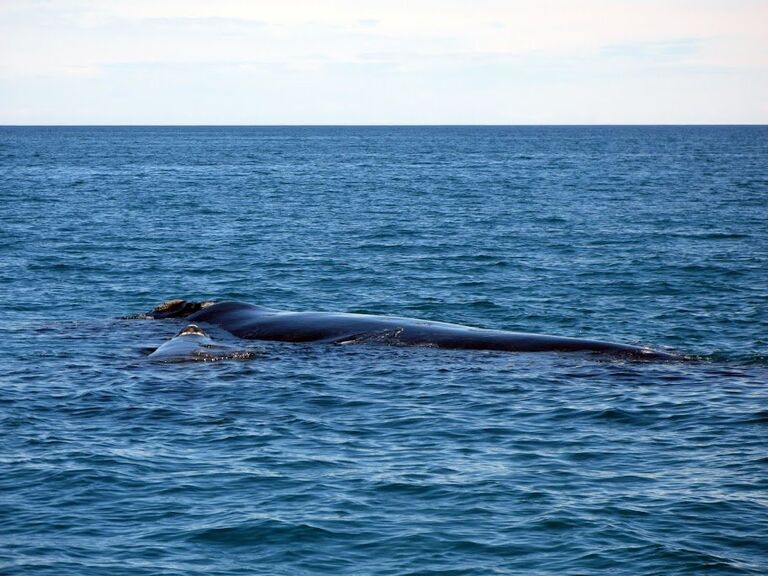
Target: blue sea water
x: 319, y: 459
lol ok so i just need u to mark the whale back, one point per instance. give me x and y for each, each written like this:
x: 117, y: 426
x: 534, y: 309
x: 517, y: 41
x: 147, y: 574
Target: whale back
x: 228, y: 311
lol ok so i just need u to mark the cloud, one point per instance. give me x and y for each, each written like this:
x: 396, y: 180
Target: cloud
x: 487, y: 60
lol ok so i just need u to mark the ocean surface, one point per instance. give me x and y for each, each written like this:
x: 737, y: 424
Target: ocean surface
x: 371, y: 459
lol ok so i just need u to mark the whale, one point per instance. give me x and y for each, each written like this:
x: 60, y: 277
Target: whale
x: 253, y: 322
x: 193, y: 344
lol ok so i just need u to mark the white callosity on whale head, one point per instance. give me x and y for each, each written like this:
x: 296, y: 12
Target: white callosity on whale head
x: 192, y: 329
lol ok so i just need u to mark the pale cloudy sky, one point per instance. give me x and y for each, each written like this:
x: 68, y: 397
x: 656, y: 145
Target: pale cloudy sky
x: 383, y: 62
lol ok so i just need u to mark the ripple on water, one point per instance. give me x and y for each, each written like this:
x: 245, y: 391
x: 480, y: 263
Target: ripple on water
x: 372, y: 459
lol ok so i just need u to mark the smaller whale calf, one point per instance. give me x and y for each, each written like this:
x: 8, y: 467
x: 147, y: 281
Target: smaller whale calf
x: 193, y: 344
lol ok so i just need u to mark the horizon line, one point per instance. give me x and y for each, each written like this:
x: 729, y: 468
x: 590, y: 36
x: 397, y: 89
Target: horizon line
x: 436, y: 125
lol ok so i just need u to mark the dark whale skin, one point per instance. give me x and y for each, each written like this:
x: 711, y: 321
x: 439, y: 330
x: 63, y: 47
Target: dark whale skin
x: 259, y: 323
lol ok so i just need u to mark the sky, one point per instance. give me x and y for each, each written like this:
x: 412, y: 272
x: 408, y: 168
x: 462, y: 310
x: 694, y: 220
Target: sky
x: 384, y: 62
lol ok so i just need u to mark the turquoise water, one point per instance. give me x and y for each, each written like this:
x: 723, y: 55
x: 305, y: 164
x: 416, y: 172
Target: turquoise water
x: 316, y: 459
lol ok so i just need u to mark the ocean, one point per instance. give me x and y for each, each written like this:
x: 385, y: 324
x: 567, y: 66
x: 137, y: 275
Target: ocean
x: 372, y: 459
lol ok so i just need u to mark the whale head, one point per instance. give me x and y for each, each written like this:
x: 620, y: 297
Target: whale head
x: 177, y: 309
x: 192, y: 330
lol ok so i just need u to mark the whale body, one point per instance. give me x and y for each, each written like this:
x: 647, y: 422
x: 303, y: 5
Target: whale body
x: 253, y: 322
